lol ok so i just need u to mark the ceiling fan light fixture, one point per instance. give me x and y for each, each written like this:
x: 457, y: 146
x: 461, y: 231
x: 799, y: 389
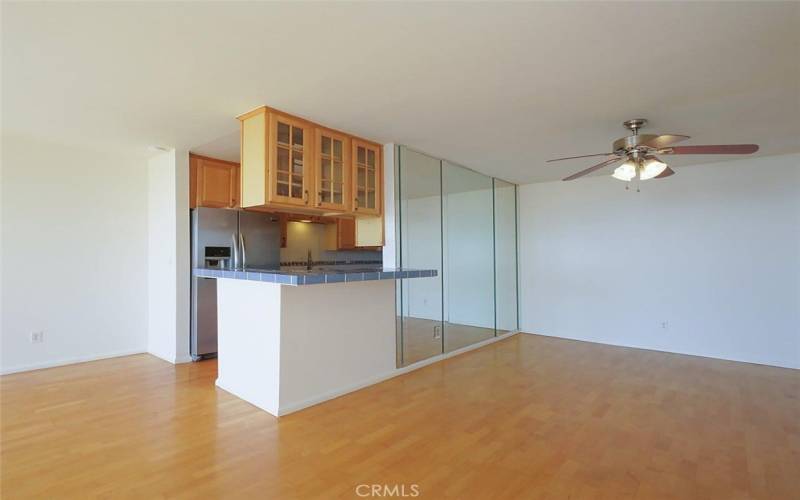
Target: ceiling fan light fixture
x: 651, y: 167
x: 625, y: 172
x: 639, y: 150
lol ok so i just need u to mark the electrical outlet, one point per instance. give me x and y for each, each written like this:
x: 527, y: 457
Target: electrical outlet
x: 665, y: 325
x: 37, y: 337
x: 437, y: 332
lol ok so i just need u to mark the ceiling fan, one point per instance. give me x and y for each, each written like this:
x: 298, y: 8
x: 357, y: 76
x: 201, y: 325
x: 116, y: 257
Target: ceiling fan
x: 639, y: 152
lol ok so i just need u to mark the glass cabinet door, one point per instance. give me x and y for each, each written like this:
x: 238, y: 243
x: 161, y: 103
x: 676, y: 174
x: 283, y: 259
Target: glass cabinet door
x: 289, y: 176
x: 367, y: 182
x: 333, y: 170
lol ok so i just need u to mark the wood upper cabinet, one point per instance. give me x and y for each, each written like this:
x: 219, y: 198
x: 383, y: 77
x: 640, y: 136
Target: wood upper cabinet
x: 346, y: 232
x: 290, y: 164
x: 367, y: 178
x: 213, y: 183
x: 340, y: 235
x: 332, y: 171
x: 354, y: 233
x: 290, y: 161
x: 277, y: 160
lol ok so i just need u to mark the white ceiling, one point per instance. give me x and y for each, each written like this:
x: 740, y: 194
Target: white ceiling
x: 496, y: 87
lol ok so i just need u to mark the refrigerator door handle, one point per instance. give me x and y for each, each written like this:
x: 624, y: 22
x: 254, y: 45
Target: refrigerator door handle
x: 235, y: 262
x: 244, y: 253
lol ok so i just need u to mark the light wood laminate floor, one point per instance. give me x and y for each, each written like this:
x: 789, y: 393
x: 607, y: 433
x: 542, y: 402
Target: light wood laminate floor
x: 526, y: 417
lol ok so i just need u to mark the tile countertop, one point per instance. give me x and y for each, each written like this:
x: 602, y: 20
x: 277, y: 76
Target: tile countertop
x: 295, y: 276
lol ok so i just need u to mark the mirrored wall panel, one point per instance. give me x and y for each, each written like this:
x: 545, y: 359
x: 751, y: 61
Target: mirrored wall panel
x: 505, y: 256
x: 419, y: 216
x: 463, y: 224
x: 468, y: 257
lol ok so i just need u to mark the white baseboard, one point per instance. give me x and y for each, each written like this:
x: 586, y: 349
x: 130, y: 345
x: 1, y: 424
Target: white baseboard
x: 300, y: 405
x: 69, y: 361
x: 174, y: 360
x: 683, y: 353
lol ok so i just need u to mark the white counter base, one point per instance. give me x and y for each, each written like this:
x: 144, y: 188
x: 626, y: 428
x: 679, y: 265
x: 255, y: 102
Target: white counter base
x: 285, y: 348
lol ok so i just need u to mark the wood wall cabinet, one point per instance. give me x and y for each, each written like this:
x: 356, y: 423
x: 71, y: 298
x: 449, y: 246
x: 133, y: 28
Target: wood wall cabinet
x: 367, y: 178
x: 277, y: 160
x: 360, y: 233
x: 369, y: 232
x: 341, y: 235
x: 293, y: 165
x: 213, y: 183
x: 332, y: 171
x: 290, y: 168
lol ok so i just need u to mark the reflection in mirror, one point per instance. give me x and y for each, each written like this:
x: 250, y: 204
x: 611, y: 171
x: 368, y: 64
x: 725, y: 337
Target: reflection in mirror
x: 505, y: 244
x: 420, y: 222
x: 464, y: 225
x: 468, y: 257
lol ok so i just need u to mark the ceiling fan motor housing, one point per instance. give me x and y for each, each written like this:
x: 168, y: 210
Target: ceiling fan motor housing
x: 632, y: 142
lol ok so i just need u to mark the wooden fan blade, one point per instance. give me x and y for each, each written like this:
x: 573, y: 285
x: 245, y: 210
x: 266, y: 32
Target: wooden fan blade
x: 666, y: 173
x: 663, y: 141
x: 593, y: 168
x: 718, y: 149
x: 574, y: 157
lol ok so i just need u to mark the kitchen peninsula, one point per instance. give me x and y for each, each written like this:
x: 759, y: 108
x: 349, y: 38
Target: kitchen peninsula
x: 291, y: 339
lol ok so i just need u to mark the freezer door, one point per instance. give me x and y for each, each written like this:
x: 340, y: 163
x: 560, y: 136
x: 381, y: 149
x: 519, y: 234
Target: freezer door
x: 261, y: 236
x: 204, y: 320
x: 212, y: 227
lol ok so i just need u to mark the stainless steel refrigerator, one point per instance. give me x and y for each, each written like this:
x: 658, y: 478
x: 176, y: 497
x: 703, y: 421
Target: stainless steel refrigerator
x: 226, y: 239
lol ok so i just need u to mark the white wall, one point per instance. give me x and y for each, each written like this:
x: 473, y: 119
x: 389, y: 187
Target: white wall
x: 167, y: 243
x: 74, y: 254
x: 713, y: 251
